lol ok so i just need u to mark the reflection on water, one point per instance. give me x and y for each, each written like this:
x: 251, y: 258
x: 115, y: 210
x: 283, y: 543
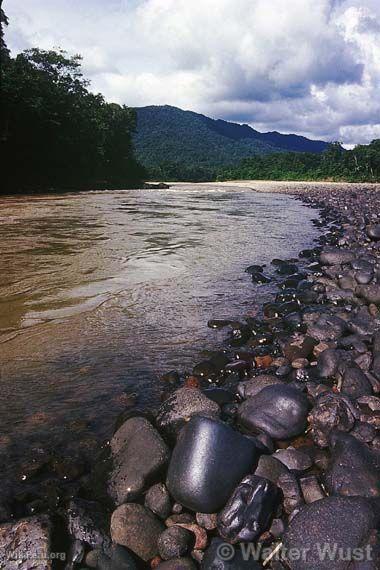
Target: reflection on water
x: 102, y: 292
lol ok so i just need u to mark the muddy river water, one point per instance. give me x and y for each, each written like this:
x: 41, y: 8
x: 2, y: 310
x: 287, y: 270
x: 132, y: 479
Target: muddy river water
x: 102, y: 292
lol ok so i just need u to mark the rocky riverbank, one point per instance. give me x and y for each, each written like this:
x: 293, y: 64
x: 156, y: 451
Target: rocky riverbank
x: 267, y: 456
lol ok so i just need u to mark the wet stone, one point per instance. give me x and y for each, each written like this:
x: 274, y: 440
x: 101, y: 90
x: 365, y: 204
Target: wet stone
x: 294, y: 459
x: 174, y: 542
x: 355, y: 383
x: 338, y: 522
x: 136, y: 528
x: 139, y: 455
x: 157, y: 499
x: 278, y: 410
x: 87, y: 522
x: 354, y: 470
x: 331, y: 411
x: 29, y: 541
x: 207, y: 463
x: 181, y: 406
x: 249, y: 510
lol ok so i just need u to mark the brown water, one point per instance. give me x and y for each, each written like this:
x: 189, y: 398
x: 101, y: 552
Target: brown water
x: 102, y: 292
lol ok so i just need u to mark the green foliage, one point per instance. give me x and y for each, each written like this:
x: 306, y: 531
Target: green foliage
x: 361, y: 164
x: 182, y: 145
x: 55, y: 134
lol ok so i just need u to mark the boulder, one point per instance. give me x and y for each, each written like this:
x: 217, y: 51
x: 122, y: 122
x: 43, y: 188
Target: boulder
x: 250, y: 388
x: 207, y: 463
x: 336, y: 256
x: 354, y: 470
x: 373, y: 232
x: 87, y: 522
x: 371, y: 292
x: 280, y: 411
x: 136, y: 528
x: 139, y: 455
x: 26, y: 544
x: 355, y: 383
x: 335, y: 525
x: 181, y: 406
x: 331, y: 411
x: 249, y: 510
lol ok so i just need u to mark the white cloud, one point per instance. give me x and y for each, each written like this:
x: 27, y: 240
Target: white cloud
x: 307, y: 66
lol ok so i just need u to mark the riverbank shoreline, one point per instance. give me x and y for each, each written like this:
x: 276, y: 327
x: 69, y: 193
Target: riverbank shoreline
x: 301, y: 381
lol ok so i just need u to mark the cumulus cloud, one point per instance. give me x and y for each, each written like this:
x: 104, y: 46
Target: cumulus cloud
x: 305, y: 66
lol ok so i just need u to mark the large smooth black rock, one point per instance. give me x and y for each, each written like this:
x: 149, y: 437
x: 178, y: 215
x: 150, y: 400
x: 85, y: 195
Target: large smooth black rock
x: 207, y: 463
x: 332, y: 523
x: 278, y: 410
x: 354, y: 470
x: 249, y: 510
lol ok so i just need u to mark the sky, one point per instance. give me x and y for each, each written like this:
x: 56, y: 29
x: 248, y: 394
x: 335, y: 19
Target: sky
x: 310, y: 67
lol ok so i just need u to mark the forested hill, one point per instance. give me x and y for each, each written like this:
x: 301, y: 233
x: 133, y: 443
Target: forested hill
x: 57, y: 135
x: 172, y: 143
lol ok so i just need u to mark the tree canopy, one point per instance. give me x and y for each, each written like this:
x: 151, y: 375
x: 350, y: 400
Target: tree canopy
x: 55, y: 133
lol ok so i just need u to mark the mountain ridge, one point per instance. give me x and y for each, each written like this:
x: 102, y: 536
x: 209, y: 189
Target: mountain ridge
x: 172, y: 142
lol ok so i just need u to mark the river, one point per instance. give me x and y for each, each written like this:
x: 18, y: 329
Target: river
x: 102, y: 292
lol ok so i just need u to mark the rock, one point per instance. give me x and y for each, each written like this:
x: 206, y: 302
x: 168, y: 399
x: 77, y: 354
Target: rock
x: 371, y: 293
x: 207, y: 521
x: 355, y: 383
x: 249, y: 510
x: 139, y: 455
x: 222, y: 556
x: 326, y: 328
x: 354, y: 470
x: 220, y: 395
x: 335, y: 523
x: 298, y: 346
x: 87, y: 522
x: 373, y: 232
x: 270, y: 468
x: 136, y: 528
x: 181, y: 406
x: 311, y: 489
x: 335, y: 256
x: 280, y: 411
x: 250, y: 388
x: 174, y: 542
x: 200, y: 535
x: 331, y: 411
x: 328, y: 362
x: 177, y: 564
x: 209, y: 460
x: 158, y: 501
x: 294, y: 459
x: 26, y: 544
x: 292, y: 498
x: 119, y: 559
